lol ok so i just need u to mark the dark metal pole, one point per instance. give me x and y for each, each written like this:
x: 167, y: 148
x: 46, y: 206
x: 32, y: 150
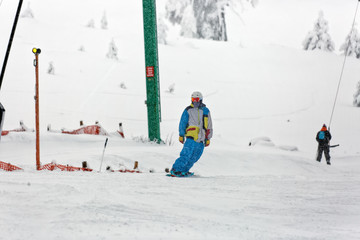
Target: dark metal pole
x: 10, y: 42
x: 2, y: 109
x: 2, y: 116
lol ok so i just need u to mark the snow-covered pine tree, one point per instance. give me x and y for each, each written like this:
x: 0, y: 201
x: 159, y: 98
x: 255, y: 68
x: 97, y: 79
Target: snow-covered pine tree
x: 122, y: 85
x: 82, y: 48
x: 175, y: 10
x: 171, y: 88
x: 28, y: 13
x: 254, y: 3
x: 162, y: 31
x: 104, y: 21
x: 113, y: 51
x: 204, y: 19
x: 188, y: 23
x: 319, y: 37
x: 51, y: 68
x: 198, y: 18
x: 351, y: 46
x: 209, y: 24
x: 91, y: 24
x: 356, y: 101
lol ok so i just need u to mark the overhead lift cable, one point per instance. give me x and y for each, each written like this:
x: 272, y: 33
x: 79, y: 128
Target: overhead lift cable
x: 342, y: 69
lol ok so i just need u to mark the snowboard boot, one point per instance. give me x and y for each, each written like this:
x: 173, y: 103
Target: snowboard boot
x: 176, y: 173
x: 181, y: 174
x: 187, y: 174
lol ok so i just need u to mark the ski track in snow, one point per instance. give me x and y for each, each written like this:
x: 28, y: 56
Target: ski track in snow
x: 256, y: 193
x: 211, y: 207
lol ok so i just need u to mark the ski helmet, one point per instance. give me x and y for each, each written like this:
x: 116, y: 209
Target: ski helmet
x: 196, y: 97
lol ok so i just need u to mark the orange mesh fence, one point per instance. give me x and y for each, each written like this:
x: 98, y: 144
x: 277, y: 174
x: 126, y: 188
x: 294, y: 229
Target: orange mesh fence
x: 8, y: 167
x: 93, y: 130
x: 4, y: 133
x: 54, y: 166
x: 22, y: 128
x: 126, y: 171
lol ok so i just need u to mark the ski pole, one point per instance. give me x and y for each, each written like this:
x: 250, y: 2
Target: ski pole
x: 102, y: 158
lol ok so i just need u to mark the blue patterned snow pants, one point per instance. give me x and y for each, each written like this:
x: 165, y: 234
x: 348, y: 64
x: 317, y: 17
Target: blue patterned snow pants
x: 189, y: 155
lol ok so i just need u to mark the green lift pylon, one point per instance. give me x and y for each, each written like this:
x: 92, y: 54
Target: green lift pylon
x: 152, y: 70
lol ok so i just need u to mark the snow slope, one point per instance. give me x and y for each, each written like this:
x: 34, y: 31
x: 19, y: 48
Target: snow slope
x: 261, y: 84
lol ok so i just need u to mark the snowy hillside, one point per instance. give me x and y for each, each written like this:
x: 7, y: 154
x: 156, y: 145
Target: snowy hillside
x: 259, y: 85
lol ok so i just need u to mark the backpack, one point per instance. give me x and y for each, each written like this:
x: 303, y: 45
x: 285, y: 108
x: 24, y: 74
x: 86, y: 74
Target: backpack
x: 322, y: 135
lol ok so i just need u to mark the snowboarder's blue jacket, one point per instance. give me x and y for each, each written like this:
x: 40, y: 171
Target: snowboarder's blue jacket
x: 196, y: 123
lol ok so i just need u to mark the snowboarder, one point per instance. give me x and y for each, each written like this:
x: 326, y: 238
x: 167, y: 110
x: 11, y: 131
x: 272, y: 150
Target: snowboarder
x: 196, y: 126
x: 323, y: 137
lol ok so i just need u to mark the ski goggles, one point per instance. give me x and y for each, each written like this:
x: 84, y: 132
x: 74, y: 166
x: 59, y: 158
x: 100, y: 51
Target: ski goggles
x: 196, y: 99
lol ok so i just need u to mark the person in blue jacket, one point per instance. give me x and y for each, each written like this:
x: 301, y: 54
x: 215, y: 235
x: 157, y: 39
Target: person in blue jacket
x: 195, y: 132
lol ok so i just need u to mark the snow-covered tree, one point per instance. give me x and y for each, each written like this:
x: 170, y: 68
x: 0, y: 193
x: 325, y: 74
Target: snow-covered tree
x: 206, y: 16
x: 113, y: 51
x: 82, y: 48
x: 254, y: 3
x: 51, y: 68
x: 197, y: 18
x: 171, y: 88
x: 188, y: 23
x: 122, y: 85
x: 351, y: 46
x: 319, y: 37
x: 356, y: 101
x: 104, y: 21
x: 91, y: 24
x: 28, y: 13
x: 162, y: 31
x: 204, y: 19
x: 175, y: 10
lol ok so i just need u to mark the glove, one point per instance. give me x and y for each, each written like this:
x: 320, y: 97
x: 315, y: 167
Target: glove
x: 181, y: 139
x: 207, y: 142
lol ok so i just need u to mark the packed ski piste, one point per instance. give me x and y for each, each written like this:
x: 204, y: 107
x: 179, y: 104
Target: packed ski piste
x: 257, y: 104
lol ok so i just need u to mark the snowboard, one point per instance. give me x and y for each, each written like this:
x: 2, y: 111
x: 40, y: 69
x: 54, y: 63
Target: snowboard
x: 191, y: 174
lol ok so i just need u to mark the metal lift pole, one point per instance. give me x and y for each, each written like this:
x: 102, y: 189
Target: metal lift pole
x: 152, y: 70
x: 2, y: 109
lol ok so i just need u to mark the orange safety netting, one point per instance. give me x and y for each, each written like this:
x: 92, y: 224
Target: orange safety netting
x: 8, y: 167
x: 54, y: 166
x: 6, y: 132
x: 121, y: 134
x: 93, y: 129
x: 126, y: 171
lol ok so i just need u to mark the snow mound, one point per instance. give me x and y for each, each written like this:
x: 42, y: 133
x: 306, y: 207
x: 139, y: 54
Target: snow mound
x: 288, y: 148
x: 267, y: 142
x: 262, y: 141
